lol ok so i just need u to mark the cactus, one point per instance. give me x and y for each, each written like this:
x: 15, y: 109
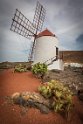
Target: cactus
x: 39, y: 69
x: 60, y: 95
x: 20, y: 68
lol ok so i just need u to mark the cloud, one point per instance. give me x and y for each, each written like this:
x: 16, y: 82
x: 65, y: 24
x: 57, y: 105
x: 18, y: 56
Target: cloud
x: 63, y: 17
x: 80, y: 39
x: 12, y: 46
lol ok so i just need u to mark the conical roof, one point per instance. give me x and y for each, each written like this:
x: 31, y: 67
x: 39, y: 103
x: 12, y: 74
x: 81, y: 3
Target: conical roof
x: 46, y: 32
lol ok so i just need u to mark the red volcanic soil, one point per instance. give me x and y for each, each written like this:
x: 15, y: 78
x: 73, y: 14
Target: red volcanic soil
x: 17, y: 82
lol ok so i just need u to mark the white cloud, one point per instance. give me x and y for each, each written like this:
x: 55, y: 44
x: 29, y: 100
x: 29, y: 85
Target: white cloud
x: 63, y: 17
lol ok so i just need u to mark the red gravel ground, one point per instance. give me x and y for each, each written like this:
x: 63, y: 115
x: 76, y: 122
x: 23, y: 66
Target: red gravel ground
x: 17, y: 82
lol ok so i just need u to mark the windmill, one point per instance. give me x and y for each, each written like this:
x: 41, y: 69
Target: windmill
x: 22, y: 26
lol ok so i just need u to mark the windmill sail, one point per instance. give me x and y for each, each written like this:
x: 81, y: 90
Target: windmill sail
x: 39, y: 16
x: 22, y: 26
x: 38, y: 23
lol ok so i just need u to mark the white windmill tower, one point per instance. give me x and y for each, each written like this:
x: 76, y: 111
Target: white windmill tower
x: 45, y: 45
x: 47, y: 50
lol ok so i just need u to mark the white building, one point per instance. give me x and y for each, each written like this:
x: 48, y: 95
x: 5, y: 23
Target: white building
x: 47, y: 50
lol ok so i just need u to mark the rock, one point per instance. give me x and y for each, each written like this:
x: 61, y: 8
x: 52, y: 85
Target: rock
x: 15, y: 97
x: 44, y: 109
x: 36, y: 97
x: 31, y: 103
x: 25, y: 97
x: 28, y: 99
x: 82, y: 71
x: 80, y: 94
x: 55, y: 70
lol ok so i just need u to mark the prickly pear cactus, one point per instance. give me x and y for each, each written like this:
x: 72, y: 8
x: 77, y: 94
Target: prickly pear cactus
x: 60, y: 95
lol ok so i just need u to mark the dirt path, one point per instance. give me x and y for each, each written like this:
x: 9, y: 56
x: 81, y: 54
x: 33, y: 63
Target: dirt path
x: 14, y: 82
x: 17, y: 82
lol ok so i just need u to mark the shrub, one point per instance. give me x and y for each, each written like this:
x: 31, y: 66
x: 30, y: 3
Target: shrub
x: 20, y: 68
x: 60, y: 96
x: 39, y: 69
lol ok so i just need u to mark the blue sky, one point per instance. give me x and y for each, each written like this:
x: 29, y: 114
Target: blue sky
x: 63, y: 17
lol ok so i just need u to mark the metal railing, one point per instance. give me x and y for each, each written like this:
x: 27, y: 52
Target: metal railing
x: 51, y: 60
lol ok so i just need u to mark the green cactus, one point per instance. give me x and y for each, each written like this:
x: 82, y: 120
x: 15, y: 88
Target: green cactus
x: 39, y: 69
x: 20, y: 68
x: 60, y: 95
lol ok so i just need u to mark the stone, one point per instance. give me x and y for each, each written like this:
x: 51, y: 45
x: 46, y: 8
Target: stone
x: 80, y: 94
x: 44, y: 109
x: 15, y: 97
x: 28, y: 99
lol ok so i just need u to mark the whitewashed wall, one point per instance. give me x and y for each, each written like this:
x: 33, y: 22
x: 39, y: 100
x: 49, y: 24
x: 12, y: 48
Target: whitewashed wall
x: 57, y: 65
x: 45, y: 48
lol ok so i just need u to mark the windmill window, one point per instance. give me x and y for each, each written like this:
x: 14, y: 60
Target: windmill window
x: 56, y: 51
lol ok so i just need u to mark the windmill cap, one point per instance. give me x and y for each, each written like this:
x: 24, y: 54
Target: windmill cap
x: 46, y: 32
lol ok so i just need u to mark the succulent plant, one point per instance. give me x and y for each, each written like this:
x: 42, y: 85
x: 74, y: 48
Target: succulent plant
x: 60, y: 95
x: 39, y: 69
x: 20, y: 68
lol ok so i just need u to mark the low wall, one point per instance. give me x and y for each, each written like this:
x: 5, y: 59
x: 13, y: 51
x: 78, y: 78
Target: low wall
x: 57, y: 65
x: 73, y: 64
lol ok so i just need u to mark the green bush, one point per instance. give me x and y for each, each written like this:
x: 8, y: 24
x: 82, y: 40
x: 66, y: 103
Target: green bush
x: 20, y: 68
x: 39, y: 69
x: 60, y: 96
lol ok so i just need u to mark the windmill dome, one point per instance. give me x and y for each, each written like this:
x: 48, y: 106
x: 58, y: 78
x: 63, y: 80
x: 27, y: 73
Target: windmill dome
x: 46, y: 32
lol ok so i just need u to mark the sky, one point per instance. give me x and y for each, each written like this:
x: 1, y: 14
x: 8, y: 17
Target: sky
x: 63, y: 17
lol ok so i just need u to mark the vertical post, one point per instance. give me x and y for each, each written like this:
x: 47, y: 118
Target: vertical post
x: 32, y: 51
